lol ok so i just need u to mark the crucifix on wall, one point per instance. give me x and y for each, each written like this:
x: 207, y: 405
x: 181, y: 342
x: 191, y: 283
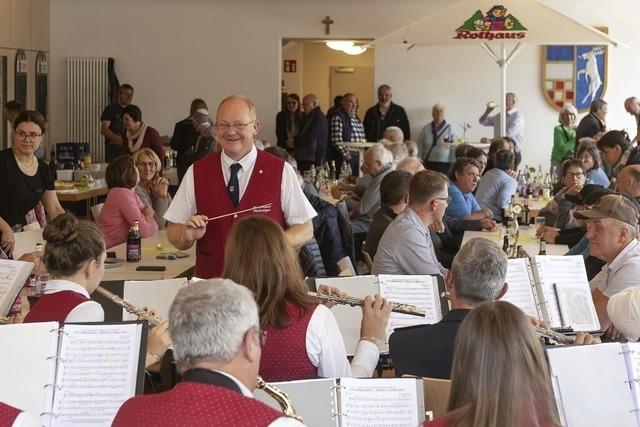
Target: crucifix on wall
x: 327, y: 21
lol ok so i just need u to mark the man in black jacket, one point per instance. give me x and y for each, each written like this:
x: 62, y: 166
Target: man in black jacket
x: 477, y: 275
x: 311, y: 142
x: 384, y: 114
x: 594, y: 122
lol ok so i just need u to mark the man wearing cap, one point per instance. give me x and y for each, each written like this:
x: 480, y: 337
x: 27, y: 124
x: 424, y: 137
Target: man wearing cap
x: 612, y: 232
x: 226, y: 186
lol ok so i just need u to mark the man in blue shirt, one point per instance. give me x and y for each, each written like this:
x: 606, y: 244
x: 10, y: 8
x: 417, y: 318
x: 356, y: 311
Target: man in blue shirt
x: 464, y: 178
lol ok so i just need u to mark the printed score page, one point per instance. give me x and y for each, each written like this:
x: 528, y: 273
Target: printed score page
x: 418, y: 290
x: 520, y: 290
x: 13, y: 275
x: 565, y: 277
x: 97, y: 373
x: 632, y: 357
x: 378, y: 402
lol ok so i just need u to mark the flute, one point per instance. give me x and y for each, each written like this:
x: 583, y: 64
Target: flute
x: 136, y: 311
x: 555, y: 336
x: 353, y: 301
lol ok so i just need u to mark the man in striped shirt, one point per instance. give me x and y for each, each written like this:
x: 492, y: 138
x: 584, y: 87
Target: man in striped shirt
x: 345, y: 127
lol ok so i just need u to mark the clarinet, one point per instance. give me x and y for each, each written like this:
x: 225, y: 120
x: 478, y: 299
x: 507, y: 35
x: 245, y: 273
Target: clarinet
x: 136, y: 311
x: 353, y: 301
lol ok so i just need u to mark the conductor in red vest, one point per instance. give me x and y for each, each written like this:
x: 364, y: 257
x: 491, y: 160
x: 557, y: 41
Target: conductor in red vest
x: 226, y: 186
x: 217, y: 345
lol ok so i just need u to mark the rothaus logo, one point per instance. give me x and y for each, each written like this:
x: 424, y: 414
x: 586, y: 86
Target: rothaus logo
x: 496, y: 24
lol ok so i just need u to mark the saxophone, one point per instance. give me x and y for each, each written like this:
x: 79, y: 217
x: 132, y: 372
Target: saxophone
x: 279, y: 396
x: 136, y: 311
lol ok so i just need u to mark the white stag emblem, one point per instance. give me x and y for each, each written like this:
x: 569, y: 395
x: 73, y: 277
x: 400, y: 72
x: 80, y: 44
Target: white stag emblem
x: 590, y: 71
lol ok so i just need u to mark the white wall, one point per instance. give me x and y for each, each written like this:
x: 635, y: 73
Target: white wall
x: 173, y: 51
x: 292, y: 82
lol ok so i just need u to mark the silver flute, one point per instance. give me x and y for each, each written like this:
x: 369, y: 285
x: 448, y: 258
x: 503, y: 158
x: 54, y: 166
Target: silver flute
x: 555, y: 336
x: 136, y: 311
x: 353, y: 301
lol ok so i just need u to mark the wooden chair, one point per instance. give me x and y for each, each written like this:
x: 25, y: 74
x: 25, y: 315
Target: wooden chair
x: 95, y: 211
x: 436, y: 396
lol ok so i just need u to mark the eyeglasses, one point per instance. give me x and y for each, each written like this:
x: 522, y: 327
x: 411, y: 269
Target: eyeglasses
x: 262, y: 335
x: 150, y: 165
x: 447, y: 199
x: 22, y: 135
x: 237, y: 126
x: 574, y: 174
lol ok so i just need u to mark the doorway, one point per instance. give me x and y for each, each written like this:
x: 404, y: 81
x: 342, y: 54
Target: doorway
x: 357, y: 80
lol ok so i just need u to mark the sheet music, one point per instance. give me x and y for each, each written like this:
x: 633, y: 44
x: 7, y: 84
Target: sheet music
x: 97, y: 372
x: 632, y: 358
x: 378, y: 402
x: 25, y: 369
x: 13, y: 275
x: 520, y: 291
x: 570, y: 278
x: 590, y: 385
x: 416, y: 290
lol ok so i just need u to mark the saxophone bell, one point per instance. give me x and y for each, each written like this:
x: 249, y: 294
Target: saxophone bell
x: 279, y: 396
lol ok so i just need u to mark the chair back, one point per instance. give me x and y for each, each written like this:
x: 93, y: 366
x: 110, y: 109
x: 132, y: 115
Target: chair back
x: 95, y: 211
x: 436, y: 396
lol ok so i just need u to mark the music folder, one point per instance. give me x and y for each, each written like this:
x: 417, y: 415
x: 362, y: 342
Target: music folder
x: 596, y: 385
x: 423, y: 291
x: 13, y: 275
x: 345, y: 402
x: 553, y: 288
x: 72, y: 374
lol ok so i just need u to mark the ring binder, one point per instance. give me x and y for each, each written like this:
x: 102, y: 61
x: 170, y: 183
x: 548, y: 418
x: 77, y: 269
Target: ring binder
x: 57, y: 387
x: 60, y: 331
x: 57, y: 357
x: 49, y: 413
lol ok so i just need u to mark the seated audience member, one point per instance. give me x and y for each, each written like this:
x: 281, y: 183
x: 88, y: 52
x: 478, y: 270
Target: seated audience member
x: 559, y: 212
x: 393, y: 134
x: 617, y: 152
x: 394, y: 195
x: 494, y: 336
x: 123, y: 206
x: 217, y: 346
x: 589, y: 155
x: 14, y: 417
x: 74, y: 257
x: 477, y: 275
x: 153, y: 188
x: 310, y: 144
x: 399, y: 152
x: 463, y: 179
x: 564, y: 137
x: 137, y: 134
x: 496, y: 145
x: 302, y: 332
x: 406, y: 247
x: 27, y: 186
x: 288, y: 122
x: 378, y: 163
x: 612, y: 232
x: 628, y: 181
x: 497, y: 185
x: 412, y: 148
x: 479, y: 156
x: 432, y: 144
x: 623, y: 310
x: 412, y: 165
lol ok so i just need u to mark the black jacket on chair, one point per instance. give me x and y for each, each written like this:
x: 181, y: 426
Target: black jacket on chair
x: 426, y: 350
x: 311, y: 142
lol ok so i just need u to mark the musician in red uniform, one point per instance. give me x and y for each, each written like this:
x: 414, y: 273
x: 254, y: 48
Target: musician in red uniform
x: 13, y: 417
x: 304, y: 339
x: 217, y: 344
x: 235, y: 181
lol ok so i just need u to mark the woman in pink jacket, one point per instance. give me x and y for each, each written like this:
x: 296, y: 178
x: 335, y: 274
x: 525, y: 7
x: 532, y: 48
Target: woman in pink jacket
x: 123, y: 205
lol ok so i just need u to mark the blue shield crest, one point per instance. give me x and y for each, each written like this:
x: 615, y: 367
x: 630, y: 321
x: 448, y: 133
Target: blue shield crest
x: 574, y: 74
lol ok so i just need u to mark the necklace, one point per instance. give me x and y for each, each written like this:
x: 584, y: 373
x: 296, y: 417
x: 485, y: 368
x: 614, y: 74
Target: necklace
x: 24, y: 164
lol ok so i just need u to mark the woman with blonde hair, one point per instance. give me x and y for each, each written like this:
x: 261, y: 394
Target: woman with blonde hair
x: 500, y: 376
x: 153, y: 188
x: 564, y: 137
x: 303, y: 339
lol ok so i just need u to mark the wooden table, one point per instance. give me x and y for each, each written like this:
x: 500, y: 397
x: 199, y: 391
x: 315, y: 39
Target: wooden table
x: 88, y: 195
x: 527, y: 239
x: 535, y: 205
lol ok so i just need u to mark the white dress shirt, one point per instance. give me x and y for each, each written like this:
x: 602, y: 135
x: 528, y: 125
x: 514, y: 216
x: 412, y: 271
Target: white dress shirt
x: 88, y: 311
x: 621, y: 273
x: 295, y: 206
x: 325, y: 348
x: 25, y: 419
x: 514, y: 123
x: 279, y: 422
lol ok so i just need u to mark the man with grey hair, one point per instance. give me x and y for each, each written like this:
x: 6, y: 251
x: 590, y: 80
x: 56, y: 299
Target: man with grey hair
x: 378, y: 162
x: 477, y: 275
x: 413, y: 165
x: 595, y: 122
x: 514, y: 123
x: 384, y: 114
x: 217, y: 343
x: 393, y: 134
x: 612, y: 225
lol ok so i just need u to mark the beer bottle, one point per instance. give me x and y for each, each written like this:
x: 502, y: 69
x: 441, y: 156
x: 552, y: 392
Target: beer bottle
x: 543, y: 247
x: 526, y: 211
x: 134, y: 244
x: 505, y: 244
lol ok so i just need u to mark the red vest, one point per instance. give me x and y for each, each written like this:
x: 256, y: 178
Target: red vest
x: 284, y: 355
x: 8, y: 415
x: 194, y: 404
x: 54, y: 307
x: 213, y: 200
